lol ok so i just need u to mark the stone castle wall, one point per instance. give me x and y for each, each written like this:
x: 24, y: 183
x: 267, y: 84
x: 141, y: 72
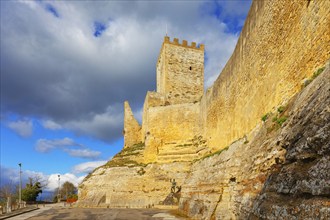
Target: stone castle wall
x: 282, y: 43
x: 132, y: 129
x: 180, y: 71
x: 170, y: 126
x: 171, y: 116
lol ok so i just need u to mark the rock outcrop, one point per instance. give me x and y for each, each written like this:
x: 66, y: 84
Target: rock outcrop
x: 278, y: 171
x: 300, y: 186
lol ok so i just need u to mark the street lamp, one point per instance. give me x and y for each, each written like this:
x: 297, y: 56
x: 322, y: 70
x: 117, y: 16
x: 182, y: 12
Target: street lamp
x: 58, y: 191
x: 20, y: 186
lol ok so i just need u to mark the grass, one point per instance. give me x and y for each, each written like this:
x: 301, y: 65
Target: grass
x: 315, y: 74
x: 265, y: 117
x: 318, y: 72
x: 122, y: 159
x: 214, y: 153
x: 132, y: 149
x: 87, y: 177
x: 281, y: 120
x: 280, y: 109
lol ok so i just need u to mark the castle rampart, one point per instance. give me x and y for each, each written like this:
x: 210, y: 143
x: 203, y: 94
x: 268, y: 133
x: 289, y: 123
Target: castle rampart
x: 280, y: 46
x: 269, y: 63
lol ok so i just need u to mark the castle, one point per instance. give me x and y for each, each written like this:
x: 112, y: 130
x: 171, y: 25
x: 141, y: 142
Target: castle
x: 255, y: 145
x: 171, y: 121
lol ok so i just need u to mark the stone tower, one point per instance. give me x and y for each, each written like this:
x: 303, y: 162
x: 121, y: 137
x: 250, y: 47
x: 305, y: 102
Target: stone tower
x: 170, y: 115
x: 180, y: 71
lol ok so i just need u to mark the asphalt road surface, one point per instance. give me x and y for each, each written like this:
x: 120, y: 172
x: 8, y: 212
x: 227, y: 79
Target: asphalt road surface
x: 66, y: 213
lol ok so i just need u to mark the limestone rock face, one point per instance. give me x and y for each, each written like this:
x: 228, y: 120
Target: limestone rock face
x: 300, y: 187
x: 131, y: 186
x: 273, y: 173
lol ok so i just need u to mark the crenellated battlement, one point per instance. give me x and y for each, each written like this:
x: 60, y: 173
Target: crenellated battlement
x: 180, y: 71
x: 184, y: 43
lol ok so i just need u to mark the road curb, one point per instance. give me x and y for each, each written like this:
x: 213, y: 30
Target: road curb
x: 9, y: 215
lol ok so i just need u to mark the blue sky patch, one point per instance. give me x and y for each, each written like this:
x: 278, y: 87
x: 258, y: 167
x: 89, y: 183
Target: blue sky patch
x: 234, y: 20
x: 51, y: 9
x: 99, y: 28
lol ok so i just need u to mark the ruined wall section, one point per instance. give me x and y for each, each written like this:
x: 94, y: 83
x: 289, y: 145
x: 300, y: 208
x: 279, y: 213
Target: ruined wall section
x: 132, y: 129
x: 180, y: 71
x: 282, y: 43
x: 170, y: 127
x: 153, y: 99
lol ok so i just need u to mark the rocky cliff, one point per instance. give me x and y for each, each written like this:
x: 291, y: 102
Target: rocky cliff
x: 279, y: 171
x: 126, y: 183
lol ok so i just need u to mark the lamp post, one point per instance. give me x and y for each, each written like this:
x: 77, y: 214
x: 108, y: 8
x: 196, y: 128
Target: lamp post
x: 58, y: 192
x: 20, y: 186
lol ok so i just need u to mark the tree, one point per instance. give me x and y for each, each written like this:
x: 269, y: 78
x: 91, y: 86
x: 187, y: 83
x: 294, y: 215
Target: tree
x: 31, y: 191
x: 8, y: 190
x: 67, y: 190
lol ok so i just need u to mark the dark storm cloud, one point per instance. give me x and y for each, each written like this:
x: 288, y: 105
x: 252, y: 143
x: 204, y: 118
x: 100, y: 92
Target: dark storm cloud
x: 54, y: 68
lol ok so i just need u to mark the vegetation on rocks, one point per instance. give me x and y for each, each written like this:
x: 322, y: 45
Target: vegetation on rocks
x: 315, y: 74
x: 265, y: 117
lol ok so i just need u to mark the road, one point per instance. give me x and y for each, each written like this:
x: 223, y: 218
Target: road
x: 60, y: 212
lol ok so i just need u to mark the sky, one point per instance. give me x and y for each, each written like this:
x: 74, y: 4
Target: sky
x: 68, y: 66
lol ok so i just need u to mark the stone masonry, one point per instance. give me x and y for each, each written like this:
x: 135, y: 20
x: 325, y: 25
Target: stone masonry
x: 171, y: 115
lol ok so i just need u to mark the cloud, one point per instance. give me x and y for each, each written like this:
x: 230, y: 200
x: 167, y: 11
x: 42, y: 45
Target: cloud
x: 104, y: 126
x: 53, y: 180
x: 87, y: 167
x: 83, y: 153
x: 66, y: 144
x: 51, y: 125
x: 50, y: 182
x: 78, y: 80
x: 23, y: 128
x: 11, y: 175
x: 44, y: 145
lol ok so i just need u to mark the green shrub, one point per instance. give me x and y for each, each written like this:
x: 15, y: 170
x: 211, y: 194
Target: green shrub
x: 318, y: 72
x: 265, y: 117
x: 315, y: 74
x: 281, y: 120
x: 215, y: 153
x: 280, y: 109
